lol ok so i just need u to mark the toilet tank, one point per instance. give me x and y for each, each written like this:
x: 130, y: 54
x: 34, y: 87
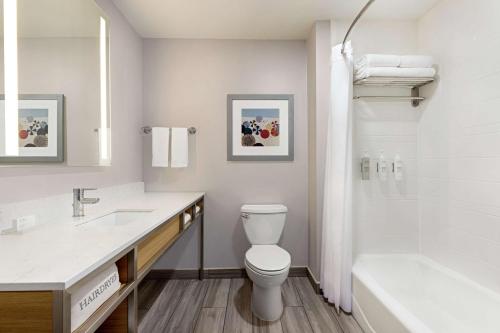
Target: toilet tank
x: 263, y: 224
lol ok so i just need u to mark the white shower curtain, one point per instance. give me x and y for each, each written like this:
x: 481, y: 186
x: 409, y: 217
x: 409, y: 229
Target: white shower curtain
x: 336, y: 245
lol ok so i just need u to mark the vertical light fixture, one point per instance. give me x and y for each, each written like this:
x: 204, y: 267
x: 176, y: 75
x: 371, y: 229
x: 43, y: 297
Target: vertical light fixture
x: 104, y: 139
x: 10, y: 77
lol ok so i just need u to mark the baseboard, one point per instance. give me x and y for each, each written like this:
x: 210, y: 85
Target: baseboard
x: 315, y: 284
x: 214, y: 273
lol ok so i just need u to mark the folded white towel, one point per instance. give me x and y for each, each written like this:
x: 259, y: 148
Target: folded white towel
x: 378, y: 60
x: 88, y: 297
x: 416, y: 61
x: 395, y: 72
x: 160, y: 146
x: 187, y: 218
x: 197, y: 209
x: 179, y: 148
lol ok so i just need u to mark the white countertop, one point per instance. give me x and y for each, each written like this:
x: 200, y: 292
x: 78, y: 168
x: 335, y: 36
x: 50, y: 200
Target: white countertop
x: 56, y: 255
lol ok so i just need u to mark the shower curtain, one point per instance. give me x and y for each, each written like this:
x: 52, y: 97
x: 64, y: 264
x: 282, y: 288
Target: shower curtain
x: 336, y: 245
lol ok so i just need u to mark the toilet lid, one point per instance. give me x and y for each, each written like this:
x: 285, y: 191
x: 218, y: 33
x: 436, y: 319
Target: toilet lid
x: 268, y: 257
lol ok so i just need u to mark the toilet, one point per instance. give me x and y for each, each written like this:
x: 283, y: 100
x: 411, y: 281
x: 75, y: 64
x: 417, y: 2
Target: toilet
x: 266, y: 263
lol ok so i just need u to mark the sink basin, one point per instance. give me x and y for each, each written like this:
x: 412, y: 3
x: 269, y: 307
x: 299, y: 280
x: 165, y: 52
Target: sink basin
x: 119, y: 217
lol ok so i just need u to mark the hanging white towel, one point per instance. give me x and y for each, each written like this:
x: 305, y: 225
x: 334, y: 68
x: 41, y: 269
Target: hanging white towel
x: 179, y: 148
x: 378, y: 60
x: 160, y: 146
x: 416, y: 61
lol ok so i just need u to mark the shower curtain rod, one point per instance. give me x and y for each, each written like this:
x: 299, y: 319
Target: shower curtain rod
x: 363, y: 10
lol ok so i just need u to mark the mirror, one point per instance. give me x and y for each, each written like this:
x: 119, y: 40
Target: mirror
x: 55, y: 107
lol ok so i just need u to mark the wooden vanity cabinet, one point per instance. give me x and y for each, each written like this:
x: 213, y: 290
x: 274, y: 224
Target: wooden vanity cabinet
x: 50, y: 311
x: 27, y: 311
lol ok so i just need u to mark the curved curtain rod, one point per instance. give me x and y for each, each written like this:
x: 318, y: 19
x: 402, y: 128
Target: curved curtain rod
x: 363, y: 10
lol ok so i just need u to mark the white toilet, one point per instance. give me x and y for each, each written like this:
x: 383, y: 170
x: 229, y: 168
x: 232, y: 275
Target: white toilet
x: 266, y: 263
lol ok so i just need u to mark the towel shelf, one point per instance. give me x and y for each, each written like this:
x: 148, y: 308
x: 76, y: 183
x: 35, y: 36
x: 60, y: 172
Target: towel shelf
x: 395, y: 82
x: 402, y: 98
x: 402, y: 82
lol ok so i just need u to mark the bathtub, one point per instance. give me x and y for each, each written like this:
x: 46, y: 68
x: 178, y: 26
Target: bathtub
x: 411, y: 293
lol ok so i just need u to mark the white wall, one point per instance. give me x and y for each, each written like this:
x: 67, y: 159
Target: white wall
x: 385, y: 213
x: 25, y: 183
x: 185, y: 84
x: 459, y: 139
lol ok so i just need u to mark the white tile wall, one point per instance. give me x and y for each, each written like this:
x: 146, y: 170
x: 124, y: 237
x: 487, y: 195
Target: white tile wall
x: 386, y: 212
x: 459, y: 139
x: 385, y: 217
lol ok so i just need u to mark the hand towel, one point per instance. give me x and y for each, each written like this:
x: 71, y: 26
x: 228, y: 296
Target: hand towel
x: 187, y: 218
x: 179, y: 148
x: 416, y: 61
x: 91, y: 295
x: 197, y: 209
x: 395, y: 72
x: 160, y: 146
x: 378, y: 60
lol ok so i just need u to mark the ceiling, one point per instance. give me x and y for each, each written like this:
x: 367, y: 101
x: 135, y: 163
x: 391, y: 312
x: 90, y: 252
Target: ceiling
x: 253, y: 19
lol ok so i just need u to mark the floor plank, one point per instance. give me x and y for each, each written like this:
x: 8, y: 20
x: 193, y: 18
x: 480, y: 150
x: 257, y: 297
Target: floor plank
x: 290, y: 297
x: 238, y: 312
x: 149, y: 290
x: 141, y: 314
x: 260, y: 326
x: 294, y: 320
x: 319, y: 313
x: 224, y: 305
x: 211, y: 320
x: 348, y: 323
x: 217, y: 293
x: 158, y: 315
x: 183, y: 320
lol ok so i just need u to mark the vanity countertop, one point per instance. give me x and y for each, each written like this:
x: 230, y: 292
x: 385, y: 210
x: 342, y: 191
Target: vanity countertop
x: 54, y: 256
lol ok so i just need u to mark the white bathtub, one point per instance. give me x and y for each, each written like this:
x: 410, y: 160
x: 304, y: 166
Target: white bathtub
x: 411, y: 293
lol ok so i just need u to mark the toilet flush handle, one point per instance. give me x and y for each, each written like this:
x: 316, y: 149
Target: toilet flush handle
x: 244, y: 216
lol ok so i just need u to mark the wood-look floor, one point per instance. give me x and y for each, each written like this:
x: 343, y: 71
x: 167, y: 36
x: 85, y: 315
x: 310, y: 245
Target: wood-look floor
x: 223, y: 305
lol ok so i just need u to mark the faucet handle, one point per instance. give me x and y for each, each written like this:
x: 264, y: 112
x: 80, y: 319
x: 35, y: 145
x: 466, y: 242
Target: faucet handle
x: 89, y: 189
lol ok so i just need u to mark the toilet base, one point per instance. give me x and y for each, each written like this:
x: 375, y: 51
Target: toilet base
x: 267, y: 304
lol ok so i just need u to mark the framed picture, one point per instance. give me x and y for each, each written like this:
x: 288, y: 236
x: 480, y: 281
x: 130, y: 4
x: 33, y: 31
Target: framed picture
x: 40, y: 129
x: 260, y: 127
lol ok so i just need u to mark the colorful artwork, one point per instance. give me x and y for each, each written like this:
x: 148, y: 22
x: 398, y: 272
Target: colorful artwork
x: 33, y: 127
x: 260, y: 127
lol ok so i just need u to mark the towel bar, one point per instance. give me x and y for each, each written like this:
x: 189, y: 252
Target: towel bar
x: 148, y: 130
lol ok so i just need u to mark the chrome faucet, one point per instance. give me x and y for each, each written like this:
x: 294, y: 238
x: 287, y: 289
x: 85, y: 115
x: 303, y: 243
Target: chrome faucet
x: 79, y: 201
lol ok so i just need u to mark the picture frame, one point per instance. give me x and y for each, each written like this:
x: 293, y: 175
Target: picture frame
x: 260, y: 127
x: 41, y: 129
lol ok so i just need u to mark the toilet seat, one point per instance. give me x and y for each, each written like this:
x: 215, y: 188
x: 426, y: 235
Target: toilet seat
x: 267, y: 259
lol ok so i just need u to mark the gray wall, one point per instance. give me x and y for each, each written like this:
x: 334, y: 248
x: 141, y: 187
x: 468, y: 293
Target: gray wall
x: 318, y: 94
x: 126, y: 99
x: 185, y: 84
